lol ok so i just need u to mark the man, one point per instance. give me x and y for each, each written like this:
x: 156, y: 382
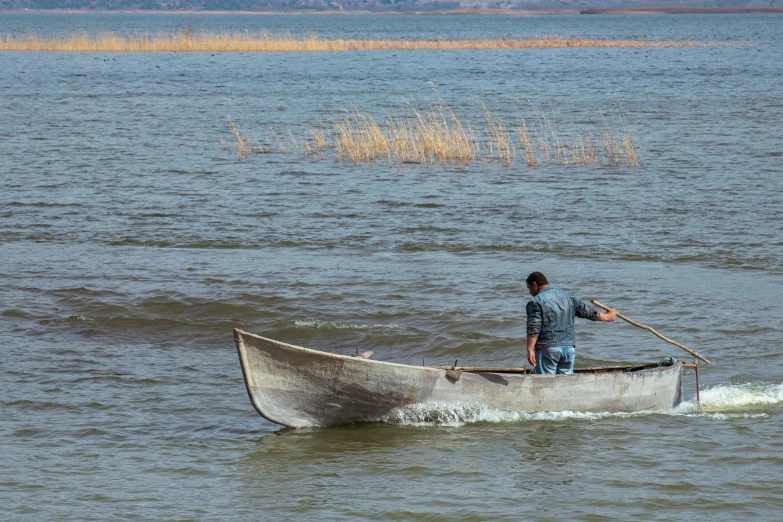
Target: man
x: 550, y: 325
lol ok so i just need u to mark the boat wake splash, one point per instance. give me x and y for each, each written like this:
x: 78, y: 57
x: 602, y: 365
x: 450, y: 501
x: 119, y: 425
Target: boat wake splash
x: 726, y: 401
x: 459, y: 414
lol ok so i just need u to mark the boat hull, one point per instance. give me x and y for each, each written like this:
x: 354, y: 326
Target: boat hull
x: 298, y: 387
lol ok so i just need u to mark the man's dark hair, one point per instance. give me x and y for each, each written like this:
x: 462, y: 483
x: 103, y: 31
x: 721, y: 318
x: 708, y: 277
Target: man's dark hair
x: 537, y: 278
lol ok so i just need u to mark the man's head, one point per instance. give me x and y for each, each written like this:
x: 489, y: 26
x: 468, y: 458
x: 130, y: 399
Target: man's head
x: 535, y: 282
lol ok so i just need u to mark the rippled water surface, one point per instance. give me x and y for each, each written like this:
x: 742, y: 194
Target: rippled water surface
x: 131, y: 244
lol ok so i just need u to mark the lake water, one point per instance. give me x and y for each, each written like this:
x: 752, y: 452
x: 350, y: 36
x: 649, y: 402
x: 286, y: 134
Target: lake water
x: 131, y: 244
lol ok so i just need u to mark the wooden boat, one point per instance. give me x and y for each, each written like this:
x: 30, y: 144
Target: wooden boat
x: 297, y: 387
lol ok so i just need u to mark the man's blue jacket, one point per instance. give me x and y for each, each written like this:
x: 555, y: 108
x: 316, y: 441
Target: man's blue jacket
x: 550, y: 317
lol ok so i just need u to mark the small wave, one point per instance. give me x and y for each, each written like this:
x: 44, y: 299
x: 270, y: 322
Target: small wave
x: 389, y: 203
x: 129, y: 241
x: 80, y: 318
x: 726, y: 416
x: 15, y: 314
x: 81, y: 291
x: 329, y: 325
x: 135, y: 323
x: 436, y: 247
x: 42, y: 204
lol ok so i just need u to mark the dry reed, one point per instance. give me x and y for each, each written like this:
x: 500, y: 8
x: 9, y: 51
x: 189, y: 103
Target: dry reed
x: 438, y: 135
x: 500, y: 148
x: 528, y: 149
x: 245, y: 146
x: 620, y: 147
x: 186, y: 40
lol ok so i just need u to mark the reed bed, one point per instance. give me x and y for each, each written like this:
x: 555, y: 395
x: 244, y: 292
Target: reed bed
x: 438, y: 135
x: 264, y: 41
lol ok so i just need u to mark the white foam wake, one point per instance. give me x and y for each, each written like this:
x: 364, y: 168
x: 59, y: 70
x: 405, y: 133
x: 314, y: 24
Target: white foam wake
x: 731, y: 396
x: 718, y: 401
x: 727, y: 401
x: 459, y: 414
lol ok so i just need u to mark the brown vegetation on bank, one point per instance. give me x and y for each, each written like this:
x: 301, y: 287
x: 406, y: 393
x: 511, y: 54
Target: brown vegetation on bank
x: 437, y: 135
x: 683, y: 10
x: 188, y: 41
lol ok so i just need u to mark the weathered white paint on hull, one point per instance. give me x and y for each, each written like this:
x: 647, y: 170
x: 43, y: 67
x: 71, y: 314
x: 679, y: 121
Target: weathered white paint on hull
x: 297, y: 387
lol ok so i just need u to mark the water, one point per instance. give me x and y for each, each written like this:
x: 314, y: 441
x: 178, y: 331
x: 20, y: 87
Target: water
x: 131, y: 244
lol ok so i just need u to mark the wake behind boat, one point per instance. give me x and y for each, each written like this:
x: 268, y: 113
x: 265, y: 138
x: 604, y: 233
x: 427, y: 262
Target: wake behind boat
x: 298, y: 387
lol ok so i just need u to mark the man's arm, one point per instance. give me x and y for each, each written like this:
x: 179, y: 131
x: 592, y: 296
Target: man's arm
x: 586, y: 311
x: 534, y: 320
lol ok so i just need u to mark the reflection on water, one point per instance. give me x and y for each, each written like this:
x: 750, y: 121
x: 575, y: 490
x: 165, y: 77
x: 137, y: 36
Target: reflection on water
x: 447, y: 468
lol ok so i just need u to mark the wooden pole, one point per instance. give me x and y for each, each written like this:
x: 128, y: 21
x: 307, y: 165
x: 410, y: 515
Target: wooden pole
x: 645, y: 327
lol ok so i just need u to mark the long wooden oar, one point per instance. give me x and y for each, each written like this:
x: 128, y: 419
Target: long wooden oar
x: 644, y: 326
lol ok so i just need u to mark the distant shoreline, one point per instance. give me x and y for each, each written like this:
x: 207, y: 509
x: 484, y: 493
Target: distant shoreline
x: 685, y: 10
x: 515, y: 12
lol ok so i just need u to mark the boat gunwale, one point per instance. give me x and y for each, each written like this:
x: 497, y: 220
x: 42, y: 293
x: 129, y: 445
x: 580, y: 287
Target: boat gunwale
x: 577, y: 371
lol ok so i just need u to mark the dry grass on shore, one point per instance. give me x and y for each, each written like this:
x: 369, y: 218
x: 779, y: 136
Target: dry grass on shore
x: 437, y: 135
x: 264, y: 41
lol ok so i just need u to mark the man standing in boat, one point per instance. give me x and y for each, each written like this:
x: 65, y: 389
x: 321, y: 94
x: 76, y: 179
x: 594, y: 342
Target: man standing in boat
x: 550, y: 325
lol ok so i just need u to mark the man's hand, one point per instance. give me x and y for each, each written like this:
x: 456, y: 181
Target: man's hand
x: 608, y: 317
x: 531, y: 350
